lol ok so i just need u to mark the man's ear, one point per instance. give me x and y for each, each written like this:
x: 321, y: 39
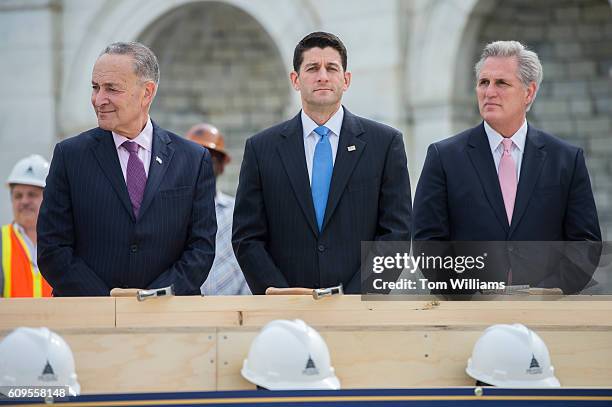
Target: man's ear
x: 294, y: 77
x: 149, y: 93
x: 531, y: 92
x: 347, y: 80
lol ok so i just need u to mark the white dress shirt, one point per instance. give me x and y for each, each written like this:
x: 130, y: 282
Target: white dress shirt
x: 311, y: 138
x: 144, y: 141
x: 518, y: 146
x: 225, y: 277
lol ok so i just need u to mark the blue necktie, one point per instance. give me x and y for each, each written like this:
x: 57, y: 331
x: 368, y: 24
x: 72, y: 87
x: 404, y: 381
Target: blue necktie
x: 322, y: 168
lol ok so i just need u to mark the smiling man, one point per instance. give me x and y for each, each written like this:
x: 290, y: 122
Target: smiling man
x: 127, y: 204
x: 505, y: 180
x: 19, y: 274
x: 312, y: 188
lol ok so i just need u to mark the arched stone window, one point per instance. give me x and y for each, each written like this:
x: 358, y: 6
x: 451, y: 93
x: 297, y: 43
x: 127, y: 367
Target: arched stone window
x: 218, y: 65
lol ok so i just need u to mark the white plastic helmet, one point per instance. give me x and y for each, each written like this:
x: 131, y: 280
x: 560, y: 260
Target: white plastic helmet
x: 511, y: 356
x: 289, y: 355
x: 31, y: 170
x: 37, y: 357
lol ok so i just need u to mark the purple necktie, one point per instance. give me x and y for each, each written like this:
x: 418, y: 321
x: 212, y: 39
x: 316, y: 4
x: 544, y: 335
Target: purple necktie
x: 135, y: 176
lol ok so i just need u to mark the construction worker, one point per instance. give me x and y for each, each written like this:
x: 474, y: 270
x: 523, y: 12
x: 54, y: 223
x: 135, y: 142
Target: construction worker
x: 225, y: 277
x: 38, y: 357
x: 289, y: 355
x: 511, y: 356
x: 19, y: 275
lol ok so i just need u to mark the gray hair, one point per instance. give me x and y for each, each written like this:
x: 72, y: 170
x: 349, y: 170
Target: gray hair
x: 529, y: 66
x: 145, y: 61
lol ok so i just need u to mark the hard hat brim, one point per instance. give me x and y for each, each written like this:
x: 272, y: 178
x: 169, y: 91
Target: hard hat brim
x: 329, y: 383
x: 542, y: 383
x: 25, y: 181
x: 74, y: 389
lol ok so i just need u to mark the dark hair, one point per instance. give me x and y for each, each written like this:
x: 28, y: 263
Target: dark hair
x: 318, y: 39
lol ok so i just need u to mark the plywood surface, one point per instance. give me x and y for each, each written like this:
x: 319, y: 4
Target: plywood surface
x: 199, y: 343
x: 78, y: 313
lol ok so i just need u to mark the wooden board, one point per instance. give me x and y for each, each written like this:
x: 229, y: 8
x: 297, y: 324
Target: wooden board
x: 431, y: 358
x: 144, y: 361
x: 199, y: 343
x: 256, y: 311
x: 55, y: 313
x: 174, y: 312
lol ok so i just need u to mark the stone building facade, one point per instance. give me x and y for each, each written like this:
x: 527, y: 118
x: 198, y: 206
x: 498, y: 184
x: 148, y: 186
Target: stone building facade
x: 227, y: 62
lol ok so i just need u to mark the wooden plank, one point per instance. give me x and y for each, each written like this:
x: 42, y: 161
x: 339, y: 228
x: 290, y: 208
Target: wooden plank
x: 347, y: 310
x: 390, y: 359
x: 597, y: 314
x: 56, y: 313
x: 256, y: 311
x: 115, y: 361
x: 447, y: 319
x: 194, y: 311
x: 232, y: 349
x: 172, y: 344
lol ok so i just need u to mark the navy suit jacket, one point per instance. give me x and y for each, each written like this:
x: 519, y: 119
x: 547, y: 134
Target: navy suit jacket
x: 88, y: 238
x: 459, y: 198
x: 275, y: 233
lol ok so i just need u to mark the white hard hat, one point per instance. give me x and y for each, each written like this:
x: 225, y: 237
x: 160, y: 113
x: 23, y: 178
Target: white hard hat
x: 289, y: 355
x: 31, y: 170
x: 511, y: 356
x: 37, y: 357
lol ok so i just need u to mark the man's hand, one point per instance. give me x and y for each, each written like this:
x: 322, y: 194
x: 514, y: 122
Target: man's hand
x: 289, y: 291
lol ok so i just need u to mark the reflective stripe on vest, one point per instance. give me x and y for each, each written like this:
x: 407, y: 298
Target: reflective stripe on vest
x: 6, y: 260
x: 21, y: 279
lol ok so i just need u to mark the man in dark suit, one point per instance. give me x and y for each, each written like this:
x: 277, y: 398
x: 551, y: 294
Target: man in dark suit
x: 505, y: 180
x: 127, y: 204
x: 312, y: 188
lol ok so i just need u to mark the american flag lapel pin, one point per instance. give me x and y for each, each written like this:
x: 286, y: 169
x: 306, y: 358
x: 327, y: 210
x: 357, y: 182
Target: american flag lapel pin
x: 351, y: 148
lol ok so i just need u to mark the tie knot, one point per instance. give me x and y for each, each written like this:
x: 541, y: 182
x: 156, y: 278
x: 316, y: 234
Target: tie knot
x: 130, y: 146
x: 321, y: 131
x: 507, y: 145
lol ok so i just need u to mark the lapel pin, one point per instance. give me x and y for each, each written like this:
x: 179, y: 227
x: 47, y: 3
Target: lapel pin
x: 351, y: 148
x: 159, y: 160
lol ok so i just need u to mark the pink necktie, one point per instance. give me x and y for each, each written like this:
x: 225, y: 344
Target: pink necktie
x: 507, y: 178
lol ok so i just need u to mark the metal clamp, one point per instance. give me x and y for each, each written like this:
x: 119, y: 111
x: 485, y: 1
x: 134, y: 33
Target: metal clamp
x: 327, y: 292
x: 155, y: 292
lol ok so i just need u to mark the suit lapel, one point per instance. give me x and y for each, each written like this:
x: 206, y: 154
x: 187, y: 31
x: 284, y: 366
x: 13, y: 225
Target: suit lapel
x: 291, y: 151
x: 345, y: 161
x: 531, y: 167
x: 106, y: 154
x: 479, y: 151
x: 161, y: 155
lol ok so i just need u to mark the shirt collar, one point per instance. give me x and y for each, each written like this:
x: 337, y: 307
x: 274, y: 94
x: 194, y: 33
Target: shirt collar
x: 495, y: 138
x: 334, y: 123
x: 19, y: 228
x: 22, y: 232
x: 144, y: 139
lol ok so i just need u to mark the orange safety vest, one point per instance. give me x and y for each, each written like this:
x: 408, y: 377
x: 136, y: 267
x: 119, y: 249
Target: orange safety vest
x: 21, y: 278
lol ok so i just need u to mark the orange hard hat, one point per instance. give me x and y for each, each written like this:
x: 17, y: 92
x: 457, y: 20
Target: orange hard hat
x: 210, y: 137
